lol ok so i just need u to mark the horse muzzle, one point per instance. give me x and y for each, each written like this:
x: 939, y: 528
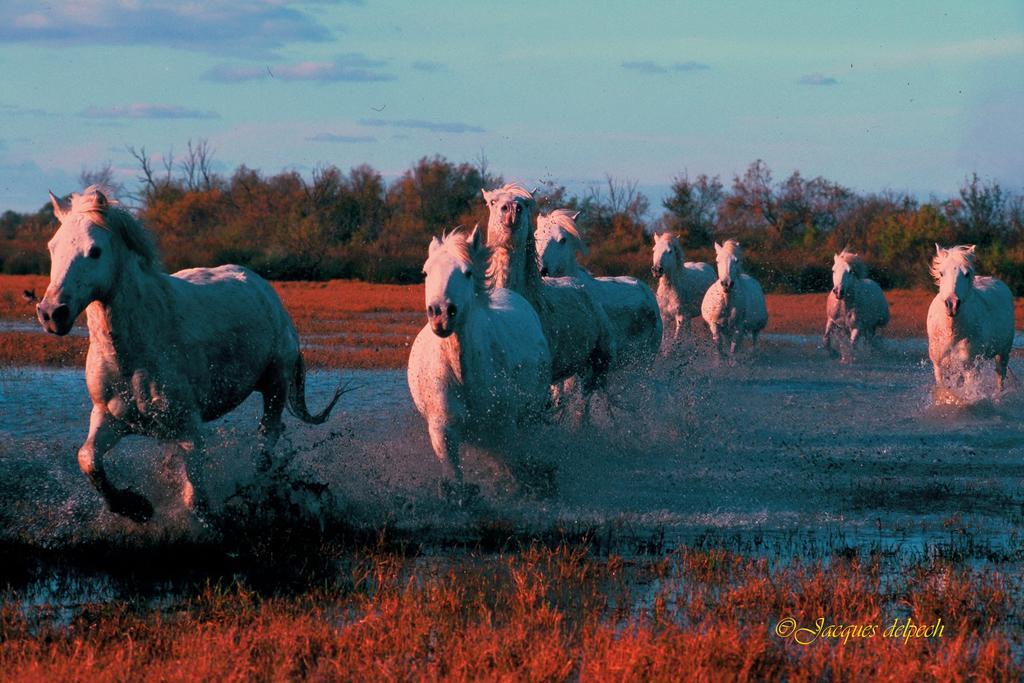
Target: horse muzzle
x: 55, y: 319
x: 726, y: 285
x: 510, y: 214
x: 837, y: 293
x: 442, y: 320
x: 657, y: 271
x: 952, y: 306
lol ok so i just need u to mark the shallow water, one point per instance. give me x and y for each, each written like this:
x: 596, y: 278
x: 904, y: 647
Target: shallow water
x: 781, y: 446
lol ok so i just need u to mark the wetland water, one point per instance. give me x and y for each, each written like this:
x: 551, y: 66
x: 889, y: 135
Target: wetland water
x: 783, y: 444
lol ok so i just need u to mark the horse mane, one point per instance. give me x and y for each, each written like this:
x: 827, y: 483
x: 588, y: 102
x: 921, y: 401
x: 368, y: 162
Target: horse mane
x: 854, y: 261
x: 516, y: 190
x: 565, y: 220
x: 456, y: 244
x: 962, y: 255
x: 733, y: 247
x: 105, y: 213
x: 562, y: 218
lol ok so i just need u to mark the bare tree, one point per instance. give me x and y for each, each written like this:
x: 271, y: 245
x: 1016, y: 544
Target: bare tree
x: 147, y: 179
x: 102, y: 177
x: 196, y: 166
x: 623, y: 198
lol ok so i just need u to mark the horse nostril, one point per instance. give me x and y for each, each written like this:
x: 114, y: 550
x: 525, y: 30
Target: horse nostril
x: 61, y: 314
x: 452, y: 310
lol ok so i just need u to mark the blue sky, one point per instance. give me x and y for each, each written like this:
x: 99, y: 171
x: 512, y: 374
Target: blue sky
x: 911, y: 96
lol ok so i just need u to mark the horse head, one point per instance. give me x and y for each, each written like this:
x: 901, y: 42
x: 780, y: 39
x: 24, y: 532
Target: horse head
x: 558, y: 241
x: 953, y: 270
x: 510, y: 207
x: 455, y: 271
x: 87, y: 255
x: 730, y: 268
x: 668, y: 255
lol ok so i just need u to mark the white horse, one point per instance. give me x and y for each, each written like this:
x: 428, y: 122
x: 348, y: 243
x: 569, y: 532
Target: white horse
x: 681, y: 284
x: 578, y: 331
x: 166, y: 352
x: 480, y: 367
x: 734, y: 305
x: 970, y: 318
x: 855, y: 304
x: 630, y: 304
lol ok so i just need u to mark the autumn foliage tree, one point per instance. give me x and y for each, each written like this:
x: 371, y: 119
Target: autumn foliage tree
x: 331, y: 223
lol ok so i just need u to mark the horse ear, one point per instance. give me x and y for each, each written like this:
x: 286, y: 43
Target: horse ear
x: 57, y: 211
x: 485, y: 193
x: 475, y: 239
x: 576, y: 215
x: 101, y: 201
x: 435, y: 244
x: 970, y: 248
x: 718, y: 248
x: 939, y: 250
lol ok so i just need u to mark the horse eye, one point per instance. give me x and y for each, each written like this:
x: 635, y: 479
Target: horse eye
x: 561, y: 240
x: 94, y: 252
x: 423, y: 273
x: 469, y: 272
x: 492, y: 202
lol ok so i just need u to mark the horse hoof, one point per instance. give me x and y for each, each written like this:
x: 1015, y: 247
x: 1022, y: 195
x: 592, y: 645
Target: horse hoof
x: 133, y: 506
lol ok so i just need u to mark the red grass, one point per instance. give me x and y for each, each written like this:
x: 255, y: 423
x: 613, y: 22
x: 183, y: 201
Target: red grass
x: 540, y: 615
x: 352, y: 324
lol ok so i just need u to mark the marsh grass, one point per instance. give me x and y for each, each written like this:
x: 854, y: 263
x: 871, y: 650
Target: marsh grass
x: 537, y: 612
x: 276, y: 593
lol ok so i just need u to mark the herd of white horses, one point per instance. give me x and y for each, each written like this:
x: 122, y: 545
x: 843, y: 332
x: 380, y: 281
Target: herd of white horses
x: 514, y: 325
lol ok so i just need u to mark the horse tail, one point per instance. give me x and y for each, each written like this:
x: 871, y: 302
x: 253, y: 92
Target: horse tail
x: 297, y: 396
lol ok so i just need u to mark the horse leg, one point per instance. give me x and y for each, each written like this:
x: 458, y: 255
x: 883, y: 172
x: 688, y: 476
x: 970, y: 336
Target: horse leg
x: 444, y: 438
x: 854, y: 338
x: 104, y: 432
x: 681, y: 322
x: 1002, y: 362
x: 717, y: 338
x: 937, y: 371
x: 737, y: 341
x: 271, y: 425
x: 193, y: 488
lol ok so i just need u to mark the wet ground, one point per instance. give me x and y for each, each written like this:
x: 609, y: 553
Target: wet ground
x: 783, y: 447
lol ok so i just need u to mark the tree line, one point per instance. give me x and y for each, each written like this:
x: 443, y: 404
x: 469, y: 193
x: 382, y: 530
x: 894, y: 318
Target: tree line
x: 354, y: 224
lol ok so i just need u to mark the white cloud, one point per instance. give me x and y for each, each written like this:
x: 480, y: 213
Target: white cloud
x: 146, y: 111
x: 353, y: 67
x: 242, y: 27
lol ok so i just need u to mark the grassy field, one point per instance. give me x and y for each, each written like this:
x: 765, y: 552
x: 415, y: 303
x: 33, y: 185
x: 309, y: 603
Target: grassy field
x: 348, y: 324
x: 545, y: 614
